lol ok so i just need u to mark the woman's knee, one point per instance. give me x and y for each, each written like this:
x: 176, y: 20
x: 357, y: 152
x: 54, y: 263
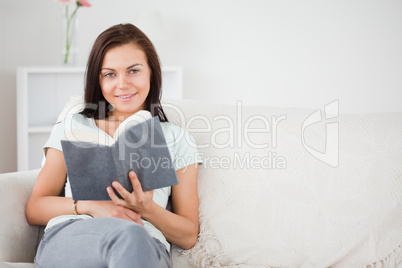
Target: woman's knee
x: 129, y: 242
x: 128, y: 233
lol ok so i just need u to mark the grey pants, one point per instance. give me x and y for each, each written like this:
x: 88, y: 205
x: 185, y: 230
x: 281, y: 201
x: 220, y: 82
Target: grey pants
x: 100, y: 242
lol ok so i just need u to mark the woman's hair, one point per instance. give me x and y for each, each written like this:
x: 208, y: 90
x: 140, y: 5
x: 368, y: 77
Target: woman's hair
x: 95, y: 103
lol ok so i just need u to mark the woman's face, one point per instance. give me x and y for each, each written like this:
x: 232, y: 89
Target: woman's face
x: 125, y: 79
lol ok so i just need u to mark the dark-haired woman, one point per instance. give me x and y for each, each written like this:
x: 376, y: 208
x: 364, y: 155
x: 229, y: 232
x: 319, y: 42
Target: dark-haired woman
x: 123, y: 78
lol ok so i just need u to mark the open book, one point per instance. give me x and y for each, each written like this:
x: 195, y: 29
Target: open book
x: 95, y: 160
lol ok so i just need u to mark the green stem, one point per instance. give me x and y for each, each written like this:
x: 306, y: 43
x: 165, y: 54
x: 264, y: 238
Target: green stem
x: 68, y: 36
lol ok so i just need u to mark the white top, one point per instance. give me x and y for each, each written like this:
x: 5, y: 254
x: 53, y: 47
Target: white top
x: 180, y: 143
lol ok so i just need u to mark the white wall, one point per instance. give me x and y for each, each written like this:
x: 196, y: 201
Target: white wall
x: 279, y: 53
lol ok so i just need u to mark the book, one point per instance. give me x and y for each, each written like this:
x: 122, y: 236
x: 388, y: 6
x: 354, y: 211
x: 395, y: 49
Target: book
x: 138, y: 144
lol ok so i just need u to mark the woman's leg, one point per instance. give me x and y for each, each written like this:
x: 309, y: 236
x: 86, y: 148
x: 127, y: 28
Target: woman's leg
x: 100, y: 242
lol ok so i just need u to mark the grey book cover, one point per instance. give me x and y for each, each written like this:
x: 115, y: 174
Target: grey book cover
x: 91, y: 167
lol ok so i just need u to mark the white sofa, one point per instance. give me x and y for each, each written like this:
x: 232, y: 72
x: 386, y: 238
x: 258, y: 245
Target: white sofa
x: 279, y: 187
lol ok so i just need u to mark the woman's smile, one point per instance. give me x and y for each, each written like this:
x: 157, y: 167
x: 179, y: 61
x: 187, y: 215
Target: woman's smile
x: 126, y: 97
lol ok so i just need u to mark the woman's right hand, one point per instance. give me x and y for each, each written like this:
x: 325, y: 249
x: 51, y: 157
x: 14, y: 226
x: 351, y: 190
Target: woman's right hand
x: 45, y: 202
x: 107, y: 209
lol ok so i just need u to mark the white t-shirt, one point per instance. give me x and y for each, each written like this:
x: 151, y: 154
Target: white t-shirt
x: 180, y: 143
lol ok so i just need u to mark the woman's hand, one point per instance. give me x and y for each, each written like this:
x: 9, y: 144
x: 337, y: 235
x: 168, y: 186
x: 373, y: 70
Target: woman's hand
x: 107, y: 209
x: 138, y: 201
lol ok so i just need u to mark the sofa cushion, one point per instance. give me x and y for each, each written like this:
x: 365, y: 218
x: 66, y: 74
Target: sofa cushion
x: 326, y: 189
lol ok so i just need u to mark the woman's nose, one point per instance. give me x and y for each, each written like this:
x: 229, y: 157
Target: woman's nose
x: 122, y: 82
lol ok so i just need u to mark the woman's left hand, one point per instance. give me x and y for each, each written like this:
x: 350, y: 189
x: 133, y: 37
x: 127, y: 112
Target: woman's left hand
x: 138, y: 200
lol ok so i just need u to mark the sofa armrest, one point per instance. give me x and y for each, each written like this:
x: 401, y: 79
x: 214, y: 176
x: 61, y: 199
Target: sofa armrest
x: 18, y: 239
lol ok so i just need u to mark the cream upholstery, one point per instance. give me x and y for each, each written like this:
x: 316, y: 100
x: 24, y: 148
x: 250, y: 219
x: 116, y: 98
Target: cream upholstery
x: 360, y: 200
x: 18, y: 239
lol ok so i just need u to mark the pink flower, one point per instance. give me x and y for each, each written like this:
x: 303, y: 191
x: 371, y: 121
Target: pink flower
x: 84, y: 3
x: 81, y: 3
x: 66, y: 2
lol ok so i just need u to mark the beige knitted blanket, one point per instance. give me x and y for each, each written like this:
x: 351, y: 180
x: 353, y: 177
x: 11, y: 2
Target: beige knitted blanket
x: 303, y: 212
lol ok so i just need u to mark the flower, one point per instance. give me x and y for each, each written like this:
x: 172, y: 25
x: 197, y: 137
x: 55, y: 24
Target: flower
x: 69, y: 18
x: 84, y: 3
x: 66, y: 2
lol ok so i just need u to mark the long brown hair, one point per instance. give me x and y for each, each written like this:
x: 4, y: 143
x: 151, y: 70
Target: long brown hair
x: 96, y: 105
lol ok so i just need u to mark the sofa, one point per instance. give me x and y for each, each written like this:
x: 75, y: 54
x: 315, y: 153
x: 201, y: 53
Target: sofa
x: 278, y: 187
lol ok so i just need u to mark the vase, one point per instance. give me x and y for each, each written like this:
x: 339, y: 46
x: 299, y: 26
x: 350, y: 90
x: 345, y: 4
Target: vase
x: 69, y: 39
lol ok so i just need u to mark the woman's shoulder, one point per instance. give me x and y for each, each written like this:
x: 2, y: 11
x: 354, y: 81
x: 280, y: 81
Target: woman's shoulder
x: 71, y: 122
x: 76, y: 118
x: 63, y: 127
x: 182, y: 143
x: 169, y: 125
x: 177, y: 134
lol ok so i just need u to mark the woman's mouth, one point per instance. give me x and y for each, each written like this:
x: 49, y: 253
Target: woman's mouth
x: 127, y: 97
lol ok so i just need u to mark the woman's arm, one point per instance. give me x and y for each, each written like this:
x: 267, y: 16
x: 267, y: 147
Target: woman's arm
x: 181, y: 227
x: 45, y: 202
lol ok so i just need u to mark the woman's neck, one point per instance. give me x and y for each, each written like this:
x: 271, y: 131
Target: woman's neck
x: 117, y: 117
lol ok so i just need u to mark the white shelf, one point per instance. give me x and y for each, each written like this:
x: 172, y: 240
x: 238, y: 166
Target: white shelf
x: 43, y: 129
x: 42, y: 93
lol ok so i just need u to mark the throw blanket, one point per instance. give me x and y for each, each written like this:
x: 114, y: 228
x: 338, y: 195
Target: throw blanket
x: 300, y: 211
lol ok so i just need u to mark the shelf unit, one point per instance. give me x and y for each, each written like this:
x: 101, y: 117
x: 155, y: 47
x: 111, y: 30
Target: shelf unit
x: 42, y: 93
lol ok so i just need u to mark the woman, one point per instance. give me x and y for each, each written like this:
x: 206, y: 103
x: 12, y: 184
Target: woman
x: 123, y: 77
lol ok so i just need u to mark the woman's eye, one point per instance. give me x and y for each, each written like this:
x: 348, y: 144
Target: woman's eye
x: 109, y: 74
x: 133, y: 71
